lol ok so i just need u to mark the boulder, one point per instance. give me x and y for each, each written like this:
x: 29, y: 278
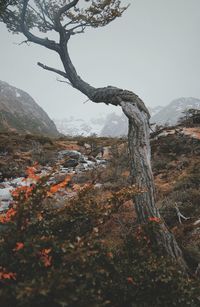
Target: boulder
x: 72, y: 154
x: 70, y: 163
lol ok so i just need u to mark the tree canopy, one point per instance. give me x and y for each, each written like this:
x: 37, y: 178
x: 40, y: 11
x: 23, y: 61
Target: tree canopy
x: 4, y: 5
x: 74, y: 16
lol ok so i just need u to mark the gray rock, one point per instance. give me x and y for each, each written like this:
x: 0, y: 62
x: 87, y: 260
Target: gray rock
x: 91, y: 158
x: 73, y: 154
x: 80, y: 168
x: 70, y: 163
x: 82, y: 160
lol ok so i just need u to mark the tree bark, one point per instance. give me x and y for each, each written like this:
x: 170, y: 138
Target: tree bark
x: 142, y: 177
x: 140, y: 161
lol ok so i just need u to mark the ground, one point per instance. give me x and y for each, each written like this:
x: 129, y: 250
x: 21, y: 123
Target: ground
x: 71, y: 237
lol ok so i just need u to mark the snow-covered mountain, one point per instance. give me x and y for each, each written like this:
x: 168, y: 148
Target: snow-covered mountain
x: 77, y: 126
x: 20, y: 113
x: 154, y: 110
x: 113, y: 125
x: 173, y: 111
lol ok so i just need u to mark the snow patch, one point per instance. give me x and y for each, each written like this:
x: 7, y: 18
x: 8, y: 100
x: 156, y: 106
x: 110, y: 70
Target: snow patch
x: 17, y: 94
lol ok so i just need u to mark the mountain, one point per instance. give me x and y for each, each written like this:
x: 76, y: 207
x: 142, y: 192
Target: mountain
x: 173, y: 111
x: 20, y: 113
x: 154, y: 110
x: 110, y: 125
x: 113, y: 125
x: 117, y: 125
x: 77, y: 126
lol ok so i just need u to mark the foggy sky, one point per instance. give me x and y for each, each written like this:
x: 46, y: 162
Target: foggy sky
x: 153, y: 50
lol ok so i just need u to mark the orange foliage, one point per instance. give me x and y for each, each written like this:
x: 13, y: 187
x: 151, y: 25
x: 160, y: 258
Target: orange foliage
x: 39, y: 216
x: 56, y: 187
x: 78, y: 188
x: 110, y: 255
x: 46, y: 259
x: 154, y: 219
x: 26, y: 189
x: 7, y: 275
x: 30, y: 171
x: 6, y: 217
x: 19, y: 245
x: 130, y: 280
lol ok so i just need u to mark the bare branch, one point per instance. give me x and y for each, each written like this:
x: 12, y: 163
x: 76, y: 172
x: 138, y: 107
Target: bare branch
x: 57, y: 71
x: 180, y: 215
x: 62, y: 81
x: 61, y: 11
x: 23, y: 42
x: 66, y: 8
x: 50, y: 44
x: 81, y: 25
x: 86, y: 101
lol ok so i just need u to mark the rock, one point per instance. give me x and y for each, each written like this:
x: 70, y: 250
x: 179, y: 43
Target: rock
x: 4, y: 205
x: 102, y: 161
x: 70, y: 163
x: 196, y: 222
x: 98, y: 185
x: 5, y: 193
x: 87, y: 146
x: 80, y: 168
x: 73, y: 154
x: 5, y: 198
x: 59, y: 178
x: 82, y: 160
x: 91, y: 158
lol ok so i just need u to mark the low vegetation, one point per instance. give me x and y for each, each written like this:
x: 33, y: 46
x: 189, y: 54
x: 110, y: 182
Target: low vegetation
x: 64, y: 256
x: 89, y: 250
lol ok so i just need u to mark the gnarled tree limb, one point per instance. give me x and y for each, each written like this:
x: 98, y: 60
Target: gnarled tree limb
x: 50, y: 44
x: 57, y: 71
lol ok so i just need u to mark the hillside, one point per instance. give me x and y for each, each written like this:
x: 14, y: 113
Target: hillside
x: 20, y: 113
x: 71, y: 237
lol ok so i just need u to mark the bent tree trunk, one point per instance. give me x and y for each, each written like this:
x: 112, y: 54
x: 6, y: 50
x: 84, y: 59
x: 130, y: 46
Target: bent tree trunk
x: 142, y: 177
x: 140, y: 164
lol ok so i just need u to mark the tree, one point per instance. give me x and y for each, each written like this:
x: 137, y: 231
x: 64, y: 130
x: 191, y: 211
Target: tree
x: 190, y: 117
x: 4, y: 4
x: 68, y: 18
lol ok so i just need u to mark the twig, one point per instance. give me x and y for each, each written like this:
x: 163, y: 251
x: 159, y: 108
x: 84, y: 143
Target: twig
x: 23, y: 42
x: 180, y: 215
x: 86, y: 101
x: 64, y: 82
x: 57, y: 71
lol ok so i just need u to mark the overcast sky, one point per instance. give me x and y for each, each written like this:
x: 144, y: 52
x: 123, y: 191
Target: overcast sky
x: 153, y: 50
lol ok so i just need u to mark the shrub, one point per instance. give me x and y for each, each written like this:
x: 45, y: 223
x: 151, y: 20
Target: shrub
x: 53, y: 256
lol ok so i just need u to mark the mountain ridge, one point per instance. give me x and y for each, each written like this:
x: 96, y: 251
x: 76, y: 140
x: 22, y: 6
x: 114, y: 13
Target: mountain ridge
x: 171, y: 113
x: 116, y: 125
x: 19, y: 112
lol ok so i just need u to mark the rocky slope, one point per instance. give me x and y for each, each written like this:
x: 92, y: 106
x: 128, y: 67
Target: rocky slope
x: 19, y: 112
